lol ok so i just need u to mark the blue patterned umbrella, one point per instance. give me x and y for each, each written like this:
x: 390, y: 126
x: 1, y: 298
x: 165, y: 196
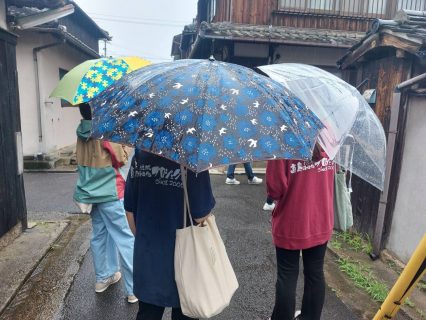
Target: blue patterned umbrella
x: 205, y: 113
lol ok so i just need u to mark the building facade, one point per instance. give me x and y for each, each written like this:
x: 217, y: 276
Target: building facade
x: 44, y: 54
x: 392, y: 60
x: 13, y: 215
x: 252, y: 33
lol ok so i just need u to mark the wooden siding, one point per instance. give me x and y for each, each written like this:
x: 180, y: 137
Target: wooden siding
x: 383, y: 74
x: 266, y: 12
x: 247, y: 12
x: 318, y: 21
x: 348, y: 15
x: 12, y: 196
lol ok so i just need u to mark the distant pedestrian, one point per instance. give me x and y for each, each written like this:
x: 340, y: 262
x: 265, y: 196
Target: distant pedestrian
x: 99, y: 191
x: 252, y: 179
x: 269, y: 204
x: 154, y: 207
x: 302, y: 221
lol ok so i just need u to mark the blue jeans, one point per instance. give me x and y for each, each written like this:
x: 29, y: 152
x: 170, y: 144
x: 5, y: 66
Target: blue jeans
x: 247, y: 167
x: 112, y: 242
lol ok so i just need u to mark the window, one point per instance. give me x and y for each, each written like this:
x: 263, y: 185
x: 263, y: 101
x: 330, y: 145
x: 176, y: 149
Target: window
x: 211, y: 10
x: 374, y: 8
x: 308, y: 5
x: 418, y: 5
x: 377, y: 7
x: 64, y: 103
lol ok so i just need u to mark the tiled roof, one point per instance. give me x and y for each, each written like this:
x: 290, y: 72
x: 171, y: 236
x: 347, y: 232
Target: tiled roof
x: 14, y: 11
x: 408, y: 26
x: 278, y: 34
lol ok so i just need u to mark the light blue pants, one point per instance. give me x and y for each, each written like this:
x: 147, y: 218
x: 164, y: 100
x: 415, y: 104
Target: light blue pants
x: 112, y: 242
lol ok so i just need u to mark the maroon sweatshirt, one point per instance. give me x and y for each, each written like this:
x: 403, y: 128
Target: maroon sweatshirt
x: 303, y: 215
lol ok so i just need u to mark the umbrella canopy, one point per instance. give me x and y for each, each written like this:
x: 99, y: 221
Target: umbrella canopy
x: 203, y: 114
x: 353, y: 135
x: 90, y: 78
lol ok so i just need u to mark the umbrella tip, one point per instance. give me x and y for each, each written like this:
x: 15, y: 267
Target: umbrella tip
x: 211, y: 58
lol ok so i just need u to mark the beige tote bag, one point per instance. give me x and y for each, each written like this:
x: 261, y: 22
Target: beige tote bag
x: 204, y: 276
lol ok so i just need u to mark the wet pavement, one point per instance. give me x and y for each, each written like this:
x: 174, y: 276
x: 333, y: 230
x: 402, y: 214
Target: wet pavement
x: 244, y: 227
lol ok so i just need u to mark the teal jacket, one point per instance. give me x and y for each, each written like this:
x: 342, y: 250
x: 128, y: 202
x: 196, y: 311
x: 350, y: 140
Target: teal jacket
x: 99, y: 178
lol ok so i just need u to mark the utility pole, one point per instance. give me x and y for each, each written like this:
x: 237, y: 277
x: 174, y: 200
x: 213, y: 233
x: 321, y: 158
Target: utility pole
x: 105, y: 48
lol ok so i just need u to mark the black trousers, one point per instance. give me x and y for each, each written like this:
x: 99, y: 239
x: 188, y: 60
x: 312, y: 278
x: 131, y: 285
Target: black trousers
x: 287, y: 274
x: 151, y: 312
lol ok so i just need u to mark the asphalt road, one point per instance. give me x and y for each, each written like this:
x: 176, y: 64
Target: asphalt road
x: 244, y: 227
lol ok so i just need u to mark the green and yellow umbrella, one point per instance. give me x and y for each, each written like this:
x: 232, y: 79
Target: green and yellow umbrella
x: 90, y: 78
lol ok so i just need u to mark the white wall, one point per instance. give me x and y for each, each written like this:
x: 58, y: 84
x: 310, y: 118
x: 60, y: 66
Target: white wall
x: 409, y: 220
x: 58, y: 123
x: 3, y: 14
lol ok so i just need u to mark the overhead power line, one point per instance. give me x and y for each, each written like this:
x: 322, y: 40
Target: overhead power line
x: 138, y: 22
x: 138, y: 18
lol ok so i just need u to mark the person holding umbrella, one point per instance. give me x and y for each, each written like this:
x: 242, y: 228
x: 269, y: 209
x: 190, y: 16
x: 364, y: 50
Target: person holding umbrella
x: 200, y: 114
x: 154, y: 207
x: 99, y: 191
x: 301, y: 222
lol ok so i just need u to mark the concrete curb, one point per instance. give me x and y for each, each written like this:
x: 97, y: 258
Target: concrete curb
x: 355, y: 299
x: 45, y: 287
x: 51, y: 170
x: 22, y: 256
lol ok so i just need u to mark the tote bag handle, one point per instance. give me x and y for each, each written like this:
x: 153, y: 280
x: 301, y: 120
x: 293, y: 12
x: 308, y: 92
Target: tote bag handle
x: 186, y: 208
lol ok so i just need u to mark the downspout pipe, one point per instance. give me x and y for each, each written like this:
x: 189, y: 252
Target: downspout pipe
x: 410, y: 82
x: 393, y: 130
x: 38, y: 93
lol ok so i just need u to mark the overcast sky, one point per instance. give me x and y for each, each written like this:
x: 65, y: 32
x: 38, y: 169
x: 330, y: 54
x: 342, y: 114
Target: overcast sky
x: 141, y: 27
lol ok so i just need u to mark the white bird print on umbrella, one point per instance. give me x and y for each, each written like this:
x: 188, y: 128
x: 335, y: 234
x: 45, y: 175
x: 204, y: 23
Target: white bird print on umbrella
x: 256, y: 104
x: 178, y: 85
x: 152, y: 95
x: 132, y: 114
x: 222, y: 131
x: 223, y: 107
x: 235, y: 91
x: 167, y: 115
x: 191, y: 130
x: 283, y: 128
x: 184, y: 101
x: 253, y: 143
x: 253, y: 121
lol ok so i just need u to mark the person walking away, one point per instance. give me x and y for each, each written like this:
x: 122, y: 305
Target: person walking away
x: 154, y: 206
x: 252, y: 179
x: 301, y: 221
x: 99, y: 191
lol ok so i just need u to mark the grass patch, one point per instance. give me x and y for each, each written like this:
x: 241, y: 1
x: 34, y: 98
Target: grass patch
x: 421, y: 313
x: 364, y: 278
x: 356, y: 241
x: 422, y: 285
x: 336, y: 244
x: 409, y: 303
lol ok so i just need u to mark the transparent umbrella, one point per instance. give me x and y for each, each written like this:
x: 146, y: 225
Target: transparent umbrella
x: 353, y: 135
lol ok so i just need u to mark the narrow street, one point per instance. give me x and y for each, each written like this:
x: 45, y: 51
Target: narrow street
x: 245, y: 230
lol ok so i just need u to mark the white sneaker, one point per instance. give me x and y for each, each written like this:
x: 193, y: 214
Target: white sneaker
x: 255, y: 180
x: 232, y: 181
x: 297, y: 314
x: 269, y: 207
x: 132, y: 299
x: 104, y: 284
